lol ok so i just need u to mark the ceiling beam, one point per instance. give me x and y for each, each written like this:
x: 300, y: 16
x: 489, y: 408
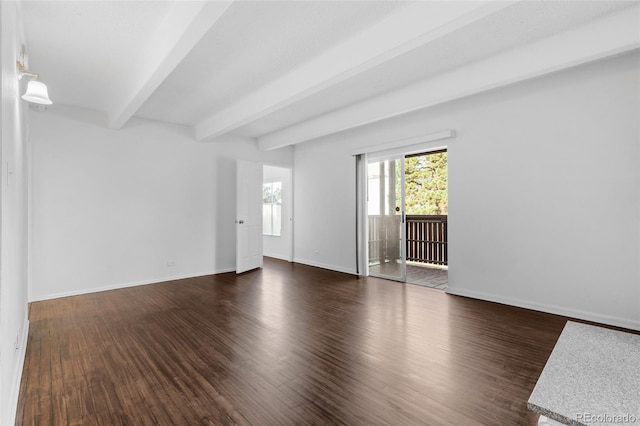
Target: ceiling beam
x: 407, y: 29
x: 612, y: 35
x: 184, y: 25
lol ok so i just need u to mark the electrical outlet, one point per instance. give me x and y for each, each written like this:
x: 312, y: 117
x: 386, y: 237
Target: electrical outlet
x: 171, y: 263
x: 316, y: 252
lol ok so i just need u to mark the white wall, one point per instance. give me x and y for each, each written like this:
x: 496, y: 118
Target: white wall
x: 544, y: 189
x: 324, y: 204
x: 113, y: 208
x: 13, y: 216
x: 280, y: 246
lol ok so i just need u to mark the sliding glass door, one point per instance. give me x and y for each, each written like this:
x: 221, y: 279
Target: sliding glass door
x: 385, y: 215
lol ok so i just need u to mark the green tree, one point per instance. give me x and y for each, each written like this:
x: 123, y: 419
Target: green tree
x: 426, y: 184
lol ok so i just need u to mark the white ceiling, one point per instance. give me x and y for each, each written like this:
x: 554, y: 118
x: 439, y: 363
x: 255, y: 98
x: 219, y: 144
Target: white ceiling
x: 511, y: 27
x: 251, y: 45
x: 258, y: 67
x: 82, y: 49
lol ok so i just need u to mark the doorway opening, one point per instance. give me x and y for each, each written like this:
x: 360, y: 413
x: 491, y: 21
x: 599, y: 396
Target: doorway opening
x: 264, y: 206
x: 277, y: 207
x: 407, y: 211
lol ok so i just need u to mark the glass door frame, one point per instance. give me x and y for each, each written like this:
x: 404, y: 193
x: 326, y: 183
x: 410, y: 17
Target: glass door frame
x: 403, y: 148
x: 400, y: 160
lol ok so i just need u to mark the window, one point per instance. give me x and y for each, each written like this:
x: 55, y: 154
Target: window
x: 272, y: 208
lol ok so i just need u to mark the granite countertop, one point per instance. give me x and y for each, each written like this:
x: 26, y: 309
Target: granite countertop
x: 591, y: 377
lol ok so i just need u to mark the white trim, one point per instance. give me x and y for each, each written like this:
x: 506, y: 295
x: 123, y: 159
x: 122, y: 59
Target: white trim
x: 362, y: 230
x: 29, y: 201
x: 349, y: 271
x: 551, y: 309
x: 130, y: 284
x: 277, y: 256
x: 14, y: 392
x: 403, y: 143
x: 545, y: 421
x: 272, y: 180
x: 292, y: 228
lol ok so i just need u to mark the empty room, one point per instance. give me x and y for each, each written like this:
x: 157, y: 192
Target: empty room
x: 320, y: 212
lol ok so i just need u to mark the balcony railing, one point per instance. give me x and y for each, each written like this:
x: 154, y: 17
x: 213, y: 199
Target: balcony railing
x: 426, y: 238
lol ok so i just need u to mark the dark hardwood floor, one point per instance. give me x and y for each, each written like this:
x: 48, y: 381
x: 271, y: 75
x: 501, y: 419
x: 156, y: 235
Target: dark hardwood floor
x: 288, y: 344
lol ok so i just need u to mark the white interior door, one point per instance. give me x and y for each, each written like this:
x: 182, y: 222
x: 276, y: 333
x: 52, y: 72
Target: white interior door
x: 248, y: 216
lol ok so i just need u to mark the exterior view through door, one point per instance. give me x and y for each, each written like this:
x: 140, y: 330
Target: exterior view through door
x: 407, y: 207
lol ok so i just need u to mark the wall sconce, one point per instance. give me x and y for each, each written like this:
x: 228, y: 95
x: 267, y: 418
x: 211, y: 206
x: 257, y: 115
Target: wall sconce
x: 36, y: 90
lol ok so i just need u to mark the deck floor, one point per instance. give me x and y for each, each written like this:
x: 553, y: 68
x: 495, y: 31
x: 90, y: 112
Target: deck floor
x: 426, y: 276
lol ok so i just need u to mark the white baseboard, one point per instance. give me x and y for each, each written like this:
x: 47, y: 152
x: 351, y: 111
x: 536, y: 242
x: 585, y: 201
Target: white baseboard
x: 129, y: 284
x: 551, y: 309
x: 176, y: 277
x: 325, y: 266
x: 14, y: 392
x: 545, y: 421
x: 277, y: 256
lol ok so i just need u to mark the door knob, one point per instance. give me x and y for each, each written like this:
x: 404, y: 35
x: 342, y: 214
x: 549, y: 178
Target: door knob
x: 240, y: 221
